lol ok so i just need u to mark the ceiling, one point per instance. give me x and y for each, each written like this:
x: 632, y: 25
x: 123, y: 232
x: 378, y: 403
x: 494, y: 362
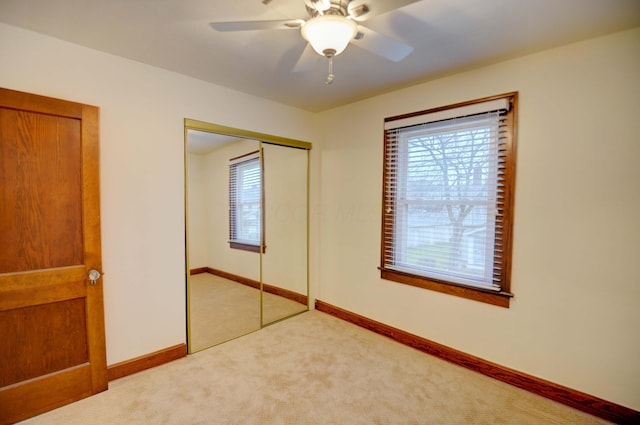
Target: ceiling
x: 203, y: 142
x: 446, y: 35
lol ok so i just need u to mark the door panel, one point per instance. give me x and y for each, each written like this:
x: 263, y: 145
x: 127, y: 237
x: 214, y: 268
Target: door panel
x: 51, y: 317
x: 61, y: 344
x: 42, y: 173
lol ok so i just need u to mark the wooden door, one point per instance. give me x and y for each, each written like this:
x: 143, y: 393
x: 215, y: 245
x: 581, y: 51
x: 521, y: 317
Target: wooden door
x: 52, y: 345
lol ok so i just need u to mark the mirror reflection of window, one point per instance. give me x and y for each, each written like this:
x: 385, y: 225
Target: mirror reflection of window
x: 245, y: 179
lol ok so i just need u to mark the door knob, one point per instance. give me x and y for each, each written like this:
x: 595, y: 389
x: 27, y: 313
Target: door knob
x: 94, y: 275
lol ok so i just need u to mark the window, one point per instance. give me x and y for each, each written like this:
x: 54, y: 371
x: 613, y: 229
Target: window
x: 448, y: 199
x: 245, y: 203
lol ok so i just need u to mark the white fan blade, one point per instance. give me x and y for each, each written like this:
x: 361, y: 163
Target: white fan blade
x: 308, y: 60
x: 285, y: 24
x: 366, y: 9
x: 382, y: 45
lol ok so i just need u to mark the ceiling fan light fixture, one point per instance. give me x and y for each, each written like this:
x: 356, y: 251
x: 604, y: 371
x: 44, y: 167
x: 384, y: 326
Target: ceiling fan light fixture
x: 329, y: 33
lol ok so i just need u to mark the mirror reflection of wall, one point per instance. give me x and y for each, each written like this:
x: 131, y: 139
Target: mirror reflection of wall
x: 220, y: 308
x: 284, y: 262
x: 233, y: 209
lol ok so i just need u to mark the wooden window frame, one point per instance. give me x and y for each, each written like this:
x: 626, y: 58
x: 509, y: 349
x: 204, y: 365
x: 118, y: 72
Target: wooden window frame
x: 234, y: 244
x: 503, y: 296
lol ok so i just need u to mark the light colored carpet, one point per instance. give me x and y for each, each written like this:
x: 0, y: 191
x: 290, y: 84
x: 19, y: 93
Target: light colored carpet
x: 221, y: 309
x: 312, y: 369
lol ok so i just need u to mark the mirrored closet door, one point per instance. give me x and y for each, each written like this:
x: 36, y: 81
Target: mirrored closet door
x: 284, y: 260
x: 246, y: 231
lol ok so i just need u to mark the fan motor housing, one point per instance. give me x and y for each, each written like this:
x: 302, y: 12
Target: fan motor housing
x: 338, y: 7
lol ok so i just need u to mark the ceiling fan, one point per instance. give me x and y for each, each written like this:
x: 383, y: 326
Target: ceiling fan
x: 332, y: 25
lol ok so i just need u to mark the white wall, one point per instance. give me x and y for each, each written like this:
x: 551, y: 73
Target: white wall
x: 575, y: 317
x: 142, y: 170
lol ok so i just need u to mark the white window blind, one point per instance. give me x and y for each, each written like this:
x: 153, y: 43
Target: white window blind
x: 444, y: 194
x: 245, y: 199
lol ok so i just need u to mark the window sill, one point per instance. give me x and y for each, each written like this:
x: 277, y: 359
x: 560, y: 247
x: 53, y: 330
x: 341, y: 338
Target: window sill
x: 500, y: 299
x: 246, y: 247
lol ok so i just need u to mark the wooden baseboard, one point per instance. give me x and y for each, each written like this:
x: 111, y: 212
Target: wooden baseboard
x: 570, y: 397
x: 285, y: 293
x: 236, y: 278
x: 129, y: 367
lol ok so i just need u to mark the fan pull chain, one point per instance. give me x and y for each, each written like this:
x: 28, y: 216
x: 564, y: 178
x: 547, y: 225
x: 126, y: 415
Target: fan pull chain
x: 330, y: 76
